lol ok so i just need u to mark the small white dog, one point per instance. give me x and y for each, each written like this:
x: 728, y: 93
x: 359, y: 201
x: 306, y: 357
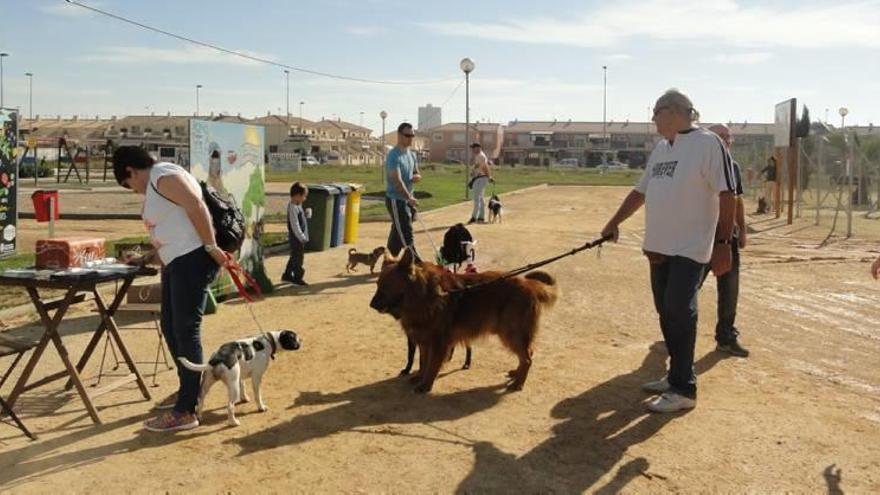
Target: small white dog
x: 235, y: 361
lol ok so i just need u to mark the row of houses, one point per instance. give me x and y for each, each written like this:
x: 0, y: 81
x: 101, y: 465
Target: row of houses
x: 537, y: 143
x: 544, y: 143
x: 168, y: 135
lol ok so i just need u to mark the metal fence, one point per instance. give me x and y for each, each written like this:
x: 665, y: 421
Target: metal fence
x: 839, y: 178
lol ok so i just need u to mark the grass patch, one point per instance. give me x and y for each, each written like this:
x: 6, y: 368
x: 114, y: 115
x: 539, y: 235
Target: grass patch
x: 444, y: 185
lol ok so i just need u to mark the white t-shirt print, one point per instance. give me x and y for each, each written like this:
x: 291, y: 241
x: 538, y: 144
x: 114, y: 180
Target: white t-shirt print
x: 681, y: 184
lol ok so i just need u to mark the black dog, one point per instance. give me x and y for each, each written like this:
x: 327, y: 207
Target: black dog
x: 763, y: 207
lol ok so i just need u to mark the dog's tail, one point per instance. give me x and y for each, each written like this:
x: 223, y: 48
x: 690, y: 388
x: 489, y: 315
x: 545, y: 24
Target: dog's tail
x: 194, y: 367
x: 352, y: 251
x: 547, y: 290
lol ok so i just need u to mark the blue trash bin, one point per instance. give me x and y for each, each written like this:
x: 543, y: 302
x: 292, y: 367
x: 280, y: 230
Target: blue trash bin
x: 337, y: 235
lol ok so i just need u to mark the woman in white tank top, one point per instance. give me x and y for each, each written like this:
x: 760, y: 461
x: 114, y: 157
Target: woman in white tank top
x: 180, y: 228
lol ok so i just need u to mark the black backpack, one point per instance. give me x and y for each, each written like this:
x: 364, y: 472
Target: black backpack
x: 227, y: 219
x: 453, y: 249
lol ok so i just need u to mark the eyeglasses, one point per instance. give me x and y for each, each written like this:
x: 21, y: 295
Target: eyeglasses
x: 408, y: 135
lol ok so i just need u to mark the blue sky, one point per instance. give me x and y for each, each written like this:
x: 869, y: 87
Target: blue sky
x: 534, y: 60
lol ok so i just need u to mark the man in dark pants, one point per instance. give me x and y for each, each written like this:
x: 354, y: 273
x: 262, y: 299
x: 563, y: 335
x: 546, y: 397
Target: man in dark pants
x: 688, y: 189
x: 401, y: 173
x: 728, y: 284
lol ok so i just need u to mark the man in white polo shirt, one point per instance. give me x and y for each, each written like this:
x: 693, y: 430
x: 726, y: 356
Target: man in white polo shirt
x: 688, y: 190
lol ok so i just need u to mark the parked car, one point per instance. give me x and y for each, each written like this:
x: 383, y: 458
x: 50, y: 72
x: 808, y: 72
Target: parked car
x: 567, y: 163
x: 616, y: 165
x: 309, y: 160
x: 332, y: 158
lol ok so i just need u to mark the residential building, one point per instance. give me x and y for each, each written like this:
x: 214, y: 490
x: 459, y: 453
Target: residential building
x: 429, y: 117
x: 449, y: 142
x: 543, y: 143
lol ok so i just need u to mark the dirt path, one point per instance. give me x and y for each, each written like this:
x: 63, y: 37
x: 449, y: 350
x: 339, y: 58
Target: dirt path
x: 804, y: 405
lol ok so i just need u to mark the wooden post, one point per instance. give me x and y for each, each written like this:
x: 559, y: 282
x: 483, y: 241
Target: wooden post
x: 792, y: 177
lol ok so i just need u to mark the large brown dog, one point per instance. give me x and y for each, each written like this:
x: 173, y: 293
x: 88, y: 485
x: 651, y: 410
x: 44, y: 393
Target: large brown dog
x: 436, y: 317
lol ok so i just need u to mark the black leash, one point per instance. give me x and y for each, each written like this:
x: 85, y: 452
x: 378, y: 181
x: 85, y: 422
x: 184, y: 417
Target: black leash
x: 532, y: 266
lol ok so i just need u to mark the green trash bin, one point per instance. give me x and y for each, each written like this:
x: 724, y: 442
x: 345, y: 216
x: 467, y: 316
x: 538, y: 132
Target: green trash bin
x: 320, y: 200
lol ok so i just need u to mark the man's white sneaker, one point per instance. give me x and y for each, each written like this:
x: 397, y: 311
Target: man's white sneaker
x: 657, y: 387
x: 671, y: 402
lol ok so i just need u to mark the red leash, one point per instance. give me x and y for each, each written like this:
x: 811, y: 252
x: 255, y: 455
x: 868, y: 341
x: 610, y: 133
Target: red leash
x: 236, y: 272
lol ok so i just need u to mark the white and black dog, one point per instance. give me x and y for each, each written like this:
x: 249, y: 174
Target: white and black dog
x: 495, y: 209
x: 235, y: 361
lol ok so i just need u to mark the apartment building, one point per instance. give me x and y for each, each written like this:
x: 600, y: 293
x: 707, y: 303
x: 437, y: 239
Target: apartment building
x: 449, y: 142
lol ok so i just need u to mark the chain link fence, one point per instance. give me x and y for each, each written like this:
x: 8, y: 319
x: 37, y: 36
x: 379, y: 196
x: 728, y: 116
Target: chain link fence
x: 839, y: 178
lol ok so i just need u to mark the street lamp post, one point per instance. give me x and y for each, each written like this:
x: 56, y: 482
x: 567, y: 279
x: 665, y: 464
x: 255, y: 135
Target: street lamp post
x: 604, y: 108
x: 198, y: 87
x: 383, y: 114
x: 287, y: 100
x: 2, y: 56
x: 362, y: 119
x: 467, y: 66
x: 30, y: 77
x: 849, y: 182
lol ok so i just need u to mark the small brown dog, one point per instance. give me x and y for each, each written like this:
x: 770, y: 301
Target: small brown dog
x: 368, y: 259
x: 437, y: 315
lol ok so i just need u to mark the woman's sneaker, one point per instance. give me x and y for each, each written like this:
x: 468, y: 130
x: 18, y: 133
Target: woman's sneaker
x: 172, y: 421
x: 671, y: 402
x: 166, y: 403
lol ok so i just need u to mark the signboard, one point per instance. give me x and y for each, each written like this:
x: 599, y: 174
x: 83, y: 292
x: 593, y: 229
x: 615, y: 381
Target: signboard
x: 229, y: 157
x: 8, y: 181
x: 784, y: 121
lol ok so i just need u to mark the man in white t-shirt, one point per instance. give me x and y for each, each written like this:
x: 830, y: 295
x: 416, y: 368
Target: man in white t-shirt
x: 688, y: 189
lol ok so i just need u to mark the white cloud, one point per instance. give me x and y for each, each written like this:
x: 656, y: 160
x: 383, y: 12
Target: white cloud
x: 184, y: 55
x: 809, y: 25
x: 617, y: 57
x: 743, y: 58
x: 64, y: 9
x: 366, y: 30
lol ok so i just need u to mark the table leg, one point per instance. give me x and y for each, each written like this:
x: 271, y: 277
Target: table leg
x: 74, y: 375
x: 110, y: 324
x: 99, y: 332
x: 11, y: 368
x: 50, y: 324
x: 90, y: 348
x: 4, y: 407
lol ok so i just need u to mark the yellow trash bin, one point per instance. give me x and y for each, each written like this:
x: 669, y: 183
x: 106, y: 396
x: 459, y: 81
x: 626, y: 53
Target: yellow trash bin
x: 352, y: 214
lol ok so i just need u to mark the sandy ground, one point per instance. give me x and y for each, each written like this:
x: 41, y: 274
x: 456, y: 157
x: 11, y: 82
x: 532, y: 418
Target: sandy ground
x: 801, y: 415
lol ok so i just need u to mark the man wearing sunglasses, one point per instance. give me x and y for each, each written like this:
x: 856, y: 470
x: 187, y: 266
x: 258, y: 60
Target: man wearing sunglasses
x: 688, y: 190
x: 401, y: 173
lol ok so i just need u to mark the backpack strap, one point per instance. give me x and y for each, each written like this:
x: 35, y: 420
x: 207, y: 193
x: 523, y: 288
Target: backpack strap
x: 160, y: 194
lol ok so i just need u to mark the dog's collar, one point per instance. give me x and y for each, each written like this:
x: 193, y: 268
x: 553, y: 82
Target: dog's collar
x: 271, y: 344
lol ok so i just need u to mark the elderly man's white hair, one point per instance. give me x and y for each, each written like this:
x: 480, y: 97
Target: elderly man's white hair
x: 679, y: 103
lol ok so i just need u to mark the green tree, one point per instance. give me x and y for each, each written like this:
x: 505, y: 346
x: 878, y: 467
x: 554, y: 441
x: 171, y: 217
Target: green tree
x: 802, y: 127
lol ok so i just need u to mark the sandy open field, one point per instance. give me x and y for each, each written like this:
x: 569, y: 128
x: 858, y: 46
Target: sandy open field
x: 801, y: 415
